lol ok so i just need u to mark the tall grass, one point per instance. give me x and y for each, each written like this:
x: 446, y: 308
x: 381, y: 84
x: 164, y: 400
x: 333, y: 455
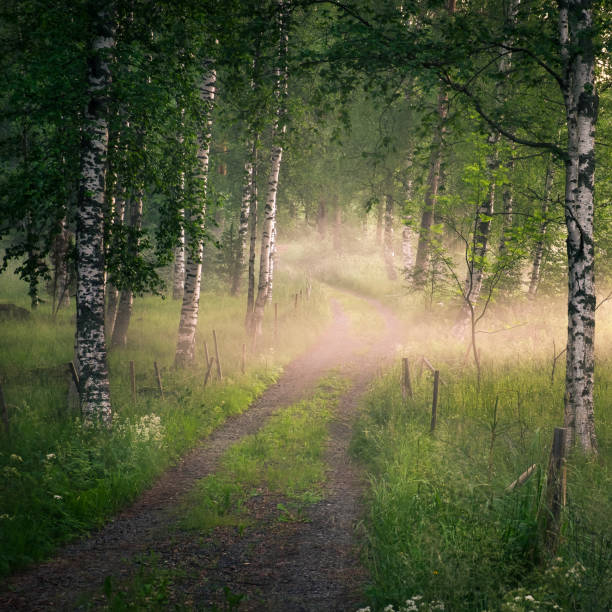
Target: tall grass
x: 58, y: 478
x: 440, y: 524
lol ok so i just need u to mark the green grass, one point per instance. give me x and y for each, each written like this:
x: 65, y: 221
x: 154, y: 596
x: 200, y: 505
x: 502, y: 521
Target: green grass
x: 439, y: 522
x: 57, y: 478
x: 284, y: 458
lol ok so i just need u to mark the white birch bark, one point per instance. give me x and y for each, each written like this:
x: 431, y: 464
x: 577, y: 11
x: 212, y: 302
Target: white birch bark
x: 178, y: 272
x: 185, y: 348
x: 252, y: 244
x: 90, y: 340
x: 269, y: 225
x: 243, y: 228
x: 266, y: 241
x: 575, y: 36
x: 178, y: 277
x: 272, y: 264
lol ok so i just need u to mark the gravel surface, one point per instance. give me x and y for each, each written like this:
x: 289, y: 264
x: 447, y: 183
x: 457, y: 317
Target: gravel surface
x: 310, y: 564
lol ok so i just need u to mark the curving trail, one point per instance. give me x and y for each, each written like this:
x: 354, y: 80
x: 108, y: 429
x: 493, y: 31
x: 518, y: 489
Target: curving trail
x: 277, y: 566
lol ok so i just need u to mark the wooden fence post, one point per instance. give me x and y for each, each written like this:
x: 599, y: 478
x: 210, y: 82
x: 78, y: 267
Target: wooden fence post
x: 4, y: 411
x: 206, y: 353
x: 406, y: 383
x: 133, y: 380
x: 434, y: 403
x: 219, y: 374
x: 159, y: 381
x: 208, y: 370
x: 243, y: 363
x: 555, y: 489
x: 295, y: 302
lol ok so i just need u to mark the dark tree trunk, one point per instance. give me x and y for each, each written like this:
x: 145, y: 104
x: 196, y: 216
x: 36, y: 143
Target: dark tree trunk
x: 126, y: 301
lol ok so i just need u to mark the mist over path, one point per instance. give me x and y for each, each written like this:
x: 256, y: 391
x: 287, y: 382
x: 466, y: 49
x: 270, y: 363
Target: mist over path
x: 279, y: 566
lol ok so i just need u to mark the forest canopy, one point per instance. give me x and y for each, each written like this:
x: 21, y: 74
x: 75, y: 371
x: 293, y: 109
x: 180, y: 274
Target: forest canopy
x: 148, y: 144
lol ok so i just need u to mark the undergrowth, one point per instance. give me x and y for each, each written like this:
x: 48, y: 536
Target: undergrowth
x: 442, y: 532
x: 57, y: 478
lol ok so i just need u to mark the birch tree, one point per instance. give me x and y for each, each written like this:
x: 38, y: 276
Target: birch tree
x: 279, y: 129
x: 178, y: 274
x: 578, y: 87
x: 185, y: 347
x: 90, y: 339
x: 243, y: 227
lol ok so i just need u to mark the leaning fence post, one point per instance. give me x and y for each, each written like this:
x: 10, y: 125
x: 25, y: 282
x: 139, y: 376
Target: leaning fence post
x: 295, y: 302
x: 206, y: 353
x: 217, y: 355
x: 406, y: 383
x: 434, y: 403
x: 159, y: 382
x: 4, y: 409
x: 133, y: 380
x: 555, y: 489
x: 243, y: 362
x: 208, y: 370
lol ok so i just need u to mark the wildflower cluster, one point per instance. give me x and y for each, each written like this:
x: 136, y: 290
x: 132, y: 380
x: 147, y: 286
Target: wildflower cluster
x: 416, y: 603
x: 149, y: 429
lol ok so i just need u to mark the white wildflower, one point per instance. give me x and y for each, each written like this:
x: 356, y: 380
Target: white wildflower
x: 366, y: 609
x: 50, y: 456
x: 388, y: 608
x: 57, y: 497
x: 148, y: 429
x: 529, y: 598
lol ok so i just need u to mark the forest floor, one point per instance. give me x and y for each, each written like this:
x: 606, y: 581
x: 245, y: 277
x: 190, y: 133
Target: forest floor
x: 306, y: 563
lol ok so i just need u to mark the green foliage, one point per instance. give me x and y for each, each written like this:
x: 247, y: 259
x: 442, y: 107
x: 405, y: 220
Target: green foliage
x: 284, y: 458
x: 440, y: 524
x: 57, y: 478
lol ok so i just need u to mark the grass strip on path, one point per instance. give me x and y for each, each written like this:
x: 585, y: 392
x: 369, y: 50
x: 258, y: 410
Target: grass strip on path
x: 284, y: 458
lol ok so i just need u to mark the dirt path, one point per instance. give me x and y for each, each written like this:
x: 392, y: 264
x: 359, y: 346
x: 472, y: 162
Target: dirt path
x: 276, y: 565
